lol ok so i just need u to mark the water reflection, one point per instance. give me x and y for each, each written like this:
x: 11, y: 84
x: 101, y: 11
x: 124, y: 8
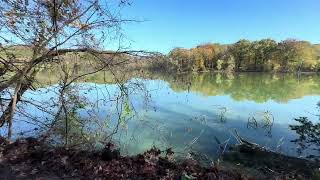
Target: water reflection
x: 308, y: 136
x: 262, y: 120
x: 258, y: 87
x: 190, y: 112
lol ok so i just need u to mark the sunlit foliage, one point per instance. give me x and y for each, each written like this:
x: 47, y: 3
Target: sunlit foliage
x: 260, y: 56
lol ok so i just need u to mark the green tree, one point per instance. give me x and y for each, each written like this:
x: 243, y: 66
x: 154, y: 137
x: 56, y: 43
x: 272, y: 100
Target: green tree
x: 288, y: 55
x: 296, y: 55
x: 242, y: 54
x: 263, y: 51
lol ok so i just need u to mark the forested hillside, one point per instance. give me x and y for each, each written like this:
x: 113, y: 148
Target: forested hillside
x: 261, y: 56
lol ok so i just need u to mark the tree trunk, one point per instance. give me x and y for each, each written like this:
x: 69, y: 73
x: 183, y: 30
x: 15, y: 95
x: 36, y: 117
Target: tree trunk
x: 13, y: 107
x: 8, y: 113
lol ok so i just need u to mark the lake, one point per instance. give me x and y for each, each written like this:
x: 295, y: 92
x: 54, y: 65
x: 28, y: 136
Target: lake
x: 188, y: 112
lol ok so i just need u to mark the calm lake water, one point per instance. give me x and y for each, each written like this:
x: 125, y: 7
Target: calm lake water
x: 190, y: 112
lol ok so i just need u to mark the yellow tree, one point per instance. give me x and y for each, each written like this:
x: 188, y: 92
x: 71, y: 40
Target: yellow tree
x: 183, y: 59
x: 198, y: 58
x: 307, y: 55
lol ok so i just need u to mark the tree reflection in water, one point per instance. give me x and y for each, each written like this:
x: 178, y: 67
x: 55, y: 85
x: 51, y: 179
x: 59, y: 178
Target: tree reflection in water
x: 308, y: 136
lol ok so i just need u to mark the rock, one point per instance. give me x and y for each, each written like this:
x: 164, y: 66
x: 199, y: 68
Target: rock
x: 108, y: 154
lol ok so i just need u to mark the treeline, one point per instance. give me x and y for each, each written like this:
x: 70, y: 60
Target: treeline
x: 260, y: 56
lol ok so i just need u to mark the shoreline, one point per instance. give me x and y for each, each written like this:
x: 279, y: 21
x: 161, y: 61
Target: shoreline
x: 30, y: 158
x: 262, y: 72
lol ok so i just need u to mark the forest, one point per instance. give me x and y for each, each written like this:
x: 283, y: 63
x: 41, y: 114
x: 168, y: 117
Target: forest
x: 265, y: 55
x: 78, y: 102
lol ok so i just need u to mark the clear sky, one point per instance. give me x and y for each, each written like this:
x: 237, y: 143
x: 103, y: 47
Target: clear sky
x: 187, y: 23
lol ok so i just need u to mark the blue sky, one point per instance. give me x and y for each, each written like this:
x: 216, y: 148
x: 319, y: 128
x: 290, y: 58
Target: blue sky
x: 185, y: 23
